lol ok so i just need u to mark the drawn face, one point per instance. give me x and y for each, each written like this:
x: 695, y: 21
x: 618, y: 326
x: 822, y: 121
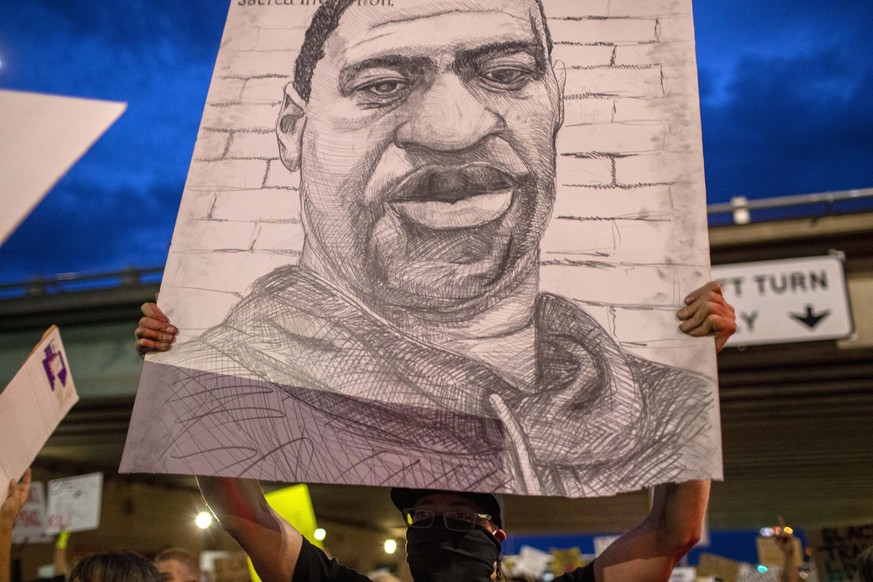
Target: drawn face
x: 427, y: 156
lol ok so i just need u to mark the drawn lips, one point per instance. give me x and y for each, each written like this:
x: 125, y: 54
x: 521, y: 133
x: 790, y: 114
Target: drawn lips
x: 455, y: 198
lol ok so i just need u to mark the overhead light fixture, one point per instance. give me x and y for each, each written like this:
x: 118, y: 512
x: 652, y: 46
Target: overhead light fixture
x: 203, y: 519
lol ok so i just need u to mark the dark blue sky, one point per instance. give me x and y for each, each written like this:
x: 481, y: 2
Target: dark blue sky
x: 786, y: 93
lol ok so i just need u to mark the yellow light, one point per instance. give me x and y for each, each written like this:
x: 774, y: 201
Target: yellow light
x: 319, y: 534
x: 788, y: 530
x: 390, y: 546
x: 203, y: 519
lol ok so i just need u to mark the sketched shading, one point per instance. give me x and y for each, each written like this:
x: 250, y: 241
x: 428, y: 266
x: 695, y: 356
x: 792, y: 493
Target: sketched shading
x: 411, y: 343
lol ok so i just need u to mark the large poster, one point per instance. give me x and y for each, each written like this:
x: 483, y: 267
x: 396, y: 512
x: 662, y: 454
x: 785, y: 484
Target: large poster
x: 440, y: 243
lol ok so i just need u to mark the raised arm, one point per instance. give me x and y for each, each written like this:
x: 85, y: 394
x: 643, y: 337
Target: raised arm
x: 241, y: 508
x: 9, y: 510
x: 239, y: 504
x: 650, y: 551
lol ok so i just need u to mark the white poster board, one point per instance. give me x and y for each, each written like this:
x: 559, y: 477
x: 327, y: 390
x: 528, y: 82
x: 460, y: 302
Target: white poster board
x: 684, y: 574
x: 32, y: 405
x: 74, y: 503
x: 30, y: 524
x: 42, y: 137
x: 445, y: 256
x: 603, y: 542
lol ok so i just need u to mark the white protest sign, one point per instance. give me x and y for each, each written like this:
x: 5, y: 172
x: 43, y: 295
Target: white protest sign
x: 603, y: 542
x: 32, y: 406
x: 74, y: 503
x: 29, y: 526
x: 684, y: 574
x: 533, y: 562
x: 790, y: 300
x: 43, y: 136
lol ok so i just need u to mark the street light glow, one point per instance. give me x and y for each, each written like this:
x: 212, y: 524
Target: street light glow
x: 203, y: 519
x: 390, y: 546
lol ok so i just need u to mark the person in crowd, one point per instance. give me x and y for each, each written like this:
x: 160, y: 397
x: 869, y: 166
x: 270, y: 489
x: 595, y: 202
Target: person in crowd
x: 382, y: 576
x: 16, y: 496
x: 456, y: 536
x: 116, y: 566
x: 864, y: 570
x: 178, y: 565
x: 785, y: 540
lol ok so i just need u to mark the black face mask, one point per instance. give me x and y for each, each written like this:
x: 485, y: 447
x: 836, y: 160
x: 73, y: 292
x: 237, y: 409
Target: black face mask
x: 436, y: 554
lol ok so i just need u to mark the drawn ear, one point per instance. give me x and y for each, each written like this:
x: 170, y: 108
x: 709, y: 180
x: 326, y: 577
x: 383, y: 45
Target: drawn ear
x: 560, y: 71
x: 289, y: 128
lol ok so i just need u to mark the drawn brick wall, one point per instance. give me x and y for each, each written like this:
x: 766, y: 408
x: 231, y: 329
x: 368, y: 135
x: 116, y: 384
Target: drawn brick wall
x: 628, y: 234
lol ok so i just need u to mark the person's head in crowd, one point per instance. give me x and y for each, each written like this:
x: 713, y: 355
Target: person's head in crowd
x: 178, y: 565
x: 117, y: 566
x: 864, y: 572
x: 382, y: 576
x: 425, y: 140
x: 451, y: 535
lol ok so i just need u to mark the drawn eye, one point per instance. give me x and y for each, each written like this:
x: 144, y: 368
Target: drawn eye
x: 382, y: 91
x: 384, y: 88
x: 506, y: 78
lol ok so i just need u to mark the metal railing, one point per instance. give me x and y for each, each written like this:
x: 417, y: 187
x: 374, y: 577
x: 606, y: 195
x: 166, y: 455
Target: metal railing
x: 812, y: 206
x: 738, y: 211
x: 69, y: 282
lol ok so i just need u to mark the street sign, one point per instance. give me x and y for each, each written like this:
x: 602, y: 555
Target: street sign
x: 790, y: 300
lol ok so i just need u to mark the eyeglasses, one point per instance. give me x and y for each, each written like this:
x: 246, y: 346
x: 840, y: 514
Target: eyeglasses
x: 455, y: 520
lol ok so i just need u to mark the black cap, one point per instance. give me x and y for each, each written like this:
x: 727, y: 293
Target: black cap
x: 491, y: 503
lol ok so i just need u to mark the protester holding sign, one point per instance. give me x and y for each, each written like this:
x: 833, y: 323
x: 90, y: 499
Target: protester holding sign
x: 864, y: 573
x: 15, y: 499
x: 457, y: 536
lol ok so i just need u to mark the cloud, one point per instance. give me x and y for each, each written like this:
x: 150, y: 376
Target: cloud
x: 191, y: 26
x: 117, y: 205
x: 793, y: 125
x: 87, y: 227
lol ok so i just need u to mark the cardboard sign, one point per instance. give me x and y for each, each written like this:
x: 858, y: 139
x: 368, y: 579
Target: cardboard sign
x: 29, y: 526
x: 234, y: 568
x: 74, y: 503
x: 719, y: 567
x: 770, y: 554
x: 32, y: 406
x: 684, y: 574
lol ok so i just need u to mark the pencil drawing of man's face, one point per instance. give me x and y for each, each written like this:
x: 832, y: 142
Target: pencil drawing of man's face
x: 426, y: 150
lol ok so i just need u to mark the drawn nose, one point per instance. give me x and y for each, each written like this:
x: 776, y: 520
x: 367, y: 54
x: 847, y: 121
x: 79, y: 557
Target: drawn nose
x: 448, y: 118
